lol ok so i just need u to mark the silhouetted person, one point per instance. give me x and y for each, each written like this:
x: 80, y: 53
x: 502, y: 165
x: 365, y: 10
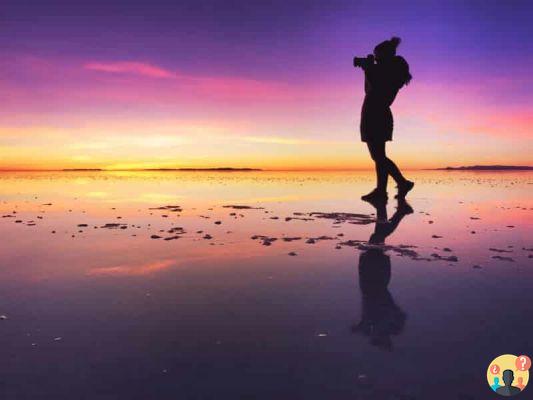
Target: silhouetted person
x: 508, y: 390
x: 496, y: 383
x: 520, y: 384
x: 385, y: 74
x: 381, y: 316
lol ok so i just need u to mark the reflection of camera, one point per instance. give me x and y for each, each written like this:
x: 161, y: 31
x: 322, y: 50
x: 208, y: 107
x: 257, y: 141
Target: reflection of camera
x: 363, y: 62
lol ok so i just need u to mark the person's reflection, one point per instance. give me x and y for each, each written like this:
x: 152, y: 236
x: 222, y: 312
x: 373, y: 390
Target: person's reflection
x: 381, y: 316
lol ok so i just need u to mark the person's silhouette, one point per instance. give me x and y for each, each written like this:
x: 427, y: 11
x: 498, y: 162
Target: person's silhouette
x: 520, y: 385
x: 385, y: 74
x: 496, y: 383
x: 381, y: 316
x: 508, y: 390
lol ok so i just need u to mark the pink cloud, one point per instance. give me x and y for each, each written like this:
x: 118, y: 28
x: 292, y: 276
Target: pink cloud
x: 207, y: 86
x: 128, y: 67
x: 64, y: 83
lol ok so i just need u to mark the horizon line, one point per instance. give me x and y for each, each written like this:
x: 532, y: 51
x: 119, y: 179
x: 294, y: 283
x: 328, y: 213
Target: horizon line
x: 249, y: 169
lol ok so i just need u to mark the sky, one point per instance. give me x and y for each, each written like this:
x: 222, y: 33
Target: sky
x: 258, y: 84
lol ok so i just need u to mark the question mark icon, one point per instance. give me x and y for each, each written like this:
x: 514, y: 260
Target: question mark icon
x: 495, y: 369
x: 523, y: 363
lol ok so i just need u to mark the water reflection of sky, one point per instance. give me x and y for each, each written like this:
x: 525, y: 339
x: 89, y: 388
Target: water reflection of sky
x: 213, y: 311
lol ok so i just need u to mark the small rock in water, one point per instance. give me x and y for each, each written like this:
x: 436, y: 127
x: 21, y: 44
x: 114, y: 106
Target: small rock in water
x: 450, y: 258
x: 172, y: 238
x: 155, y: 237
x: 436, y: 237
x: 292, y: 253
x: 266, y: 241
x: 3, y: 317
x: 113, y: 226
x: 341, y: 217
x: 290, y: 239
x: 57, y: 339
x: 503, y: 258
x: 241, y: 207
x: 500, y: 250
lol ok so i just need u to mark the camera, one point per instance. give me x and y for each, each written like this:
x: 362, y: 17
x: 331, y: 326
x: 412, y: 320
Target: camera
x: 363, y: 62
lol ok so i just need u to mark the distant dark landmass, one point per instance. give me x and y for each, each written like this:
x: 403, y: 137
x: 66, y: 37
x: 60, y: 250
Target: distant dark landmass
x: 202, y: 169
x: 488, y: 168
x: 163, y: 169
x: 82, y: 169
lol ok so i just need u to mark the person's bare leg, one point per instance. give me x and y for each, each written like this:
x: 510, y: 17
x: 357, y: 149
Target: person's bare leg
x: 394, y: 171
x: 377, y: 152
x: 404, y: 185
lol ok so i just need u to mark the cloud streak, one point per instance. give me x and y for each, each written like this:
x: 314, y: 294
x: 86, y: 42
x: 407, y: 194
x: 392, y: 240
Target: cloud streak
x: 128, y: 67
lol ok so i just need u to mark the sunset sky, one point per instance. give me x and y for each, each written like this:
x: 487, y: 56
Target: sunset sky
x: 265, y: 84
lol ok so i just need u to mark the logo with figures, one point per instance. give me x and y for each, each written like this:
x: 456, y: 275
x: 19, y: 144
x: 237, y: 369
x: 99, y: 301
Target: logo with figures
x: 508, y: 374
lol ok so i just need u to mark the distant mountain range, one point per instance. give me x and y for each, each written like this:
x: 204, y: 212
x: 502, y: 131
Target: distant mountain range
x: 488, y: 168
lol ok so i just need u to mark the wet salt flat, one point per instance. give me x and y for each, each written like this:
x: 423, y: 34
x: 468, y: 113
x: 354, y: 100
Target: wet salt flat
x: 211, y: 285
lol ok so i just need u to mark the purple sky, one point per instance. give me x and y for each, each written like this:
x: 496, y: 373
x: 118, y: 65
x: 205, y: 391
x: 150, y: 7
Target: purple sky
x: 470, y: 61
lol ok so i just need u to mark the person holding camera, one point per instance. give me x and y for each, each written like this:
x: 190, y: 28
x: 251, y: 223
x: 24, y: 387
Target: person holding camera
x: 385, y: 74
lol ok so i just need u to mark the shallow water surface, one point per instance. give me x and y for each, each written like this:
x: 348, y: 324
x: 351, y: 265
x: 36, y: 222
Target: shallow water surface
x: 214, y: 285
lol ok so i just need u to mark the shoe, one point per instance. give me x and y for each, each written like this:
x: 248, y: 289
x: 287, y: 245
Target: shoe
x: 403, y: 207
x: 375, y: 195
x: 403, y: 189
